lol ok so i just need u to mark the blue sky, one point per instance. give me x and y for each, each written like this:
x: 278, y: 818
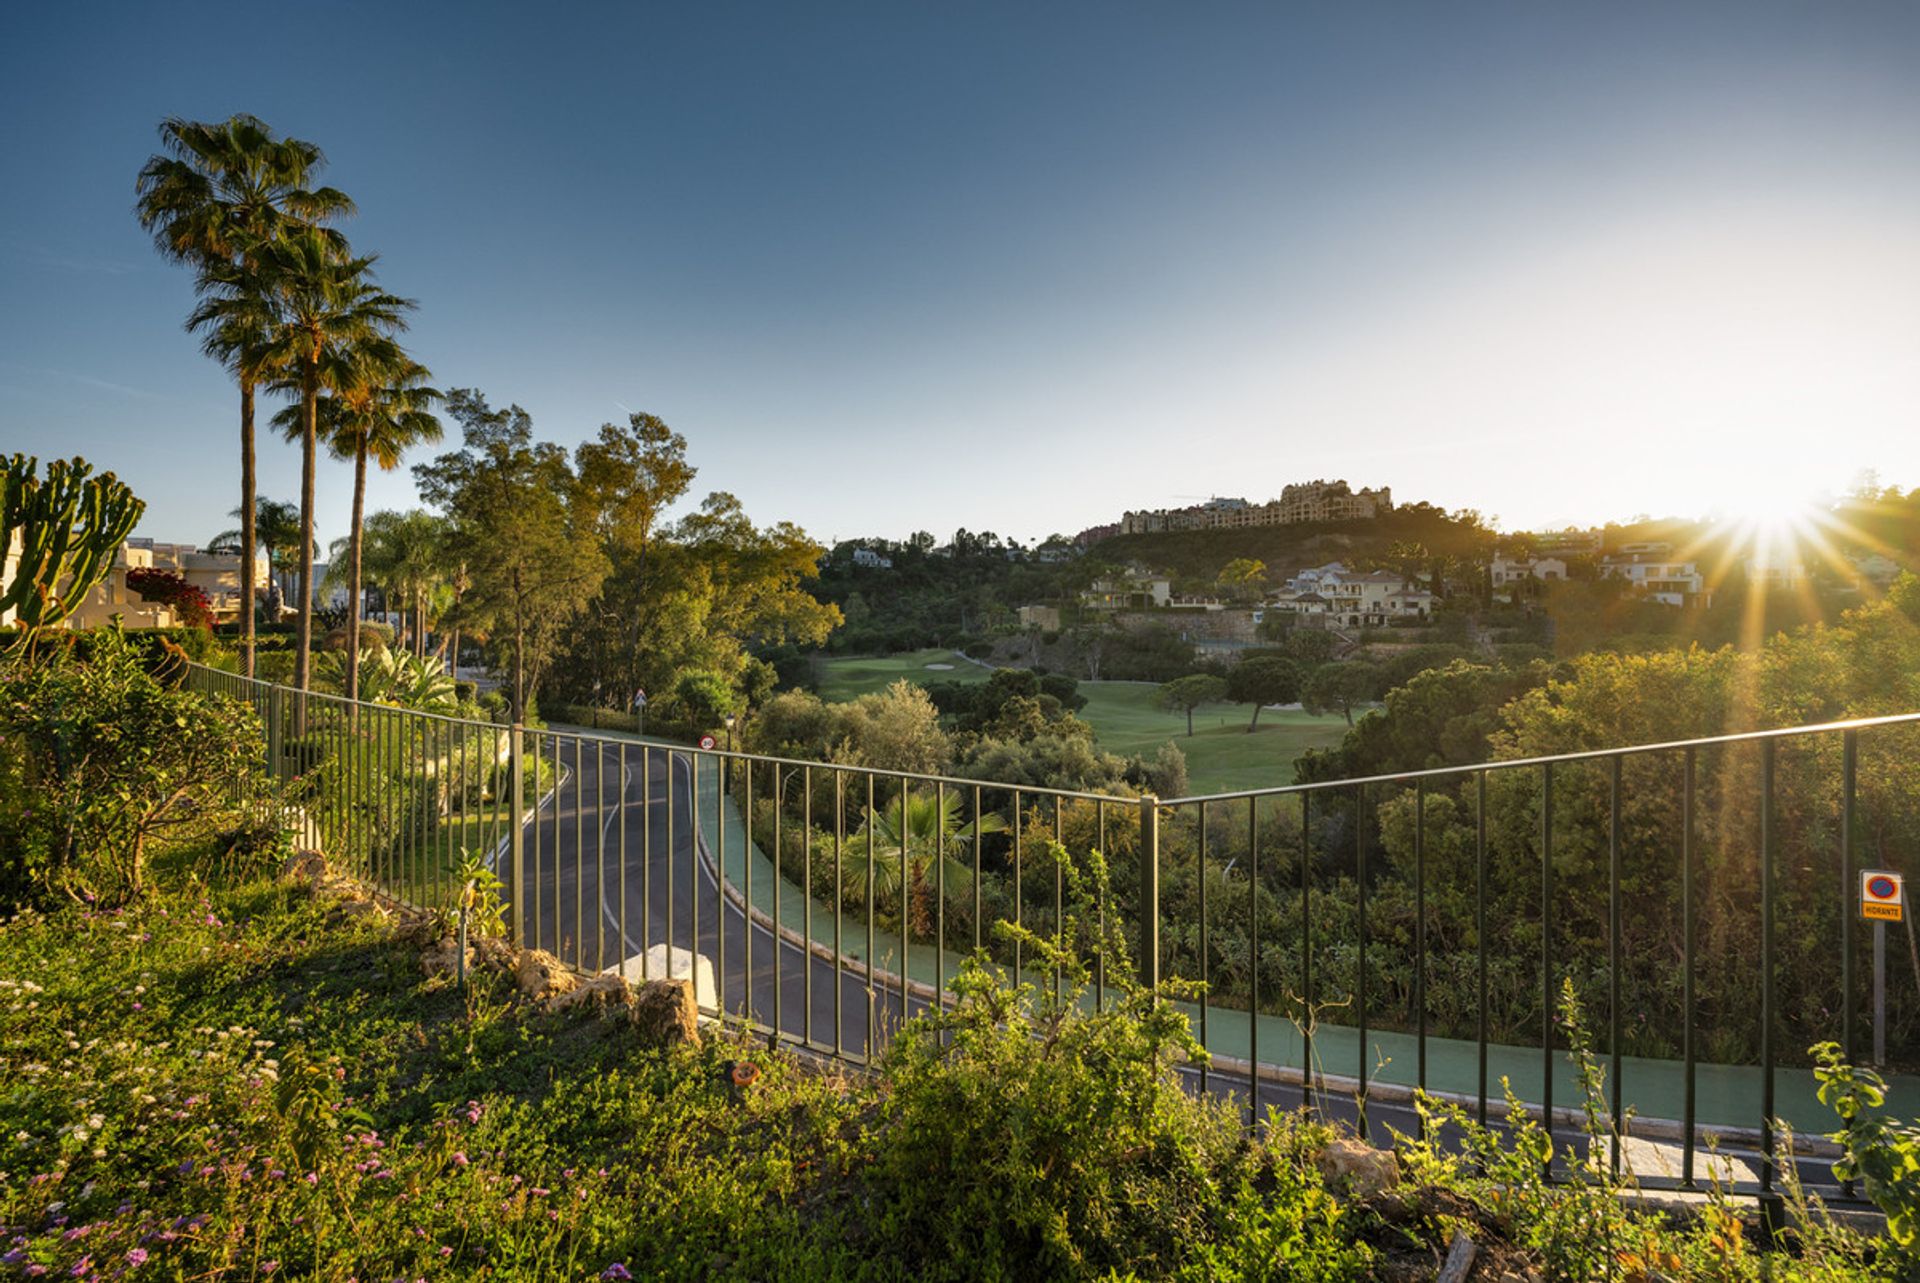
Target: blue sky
x: 1020, y: 267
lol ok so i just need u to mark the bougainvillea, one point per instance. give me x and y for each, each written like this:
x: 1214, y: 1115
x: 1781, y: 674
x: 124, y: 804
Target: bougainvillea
x: 187, y: 600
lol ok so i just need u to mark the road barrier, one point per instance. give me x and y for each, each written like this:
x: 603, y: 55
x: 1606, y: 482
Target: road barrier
x: 1353, y: 941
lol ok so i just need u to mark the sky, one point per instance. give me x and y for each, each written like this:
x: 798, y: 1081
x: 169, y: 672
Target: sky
x: 1022, y: 267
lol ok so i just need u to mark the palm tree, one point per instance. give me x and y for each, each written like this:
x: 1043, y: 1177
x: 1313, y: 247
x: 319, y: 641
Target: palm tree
x: 276, y: 527
x: 406, y: 554
x: 324, y: 301
x: 213, y: 196
x: 927, y: 829
x: 378, y: 411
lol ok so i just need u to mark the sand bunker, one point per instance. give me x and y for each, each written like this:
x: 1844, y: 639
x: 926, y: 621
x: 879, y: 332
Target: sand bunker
x: 945, y: 668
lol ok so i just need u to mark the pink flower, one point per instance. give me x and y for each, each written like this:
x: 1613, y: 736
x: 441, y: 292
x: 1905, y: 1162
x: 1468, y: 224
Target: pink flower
x: 460, y: 1158
x: 137, y: 1257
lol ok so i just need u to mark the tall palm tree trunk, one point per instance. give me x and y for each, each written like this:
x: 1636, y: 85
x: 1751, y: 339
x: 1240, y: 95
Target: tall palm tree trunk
x: 247, y: 549
x: 309, y: 451
x: 353, y: 572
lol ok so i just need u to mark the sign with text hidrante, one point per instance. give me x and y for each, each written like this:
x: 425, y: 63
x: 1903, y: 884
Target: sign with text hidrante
x: 1883, y: 895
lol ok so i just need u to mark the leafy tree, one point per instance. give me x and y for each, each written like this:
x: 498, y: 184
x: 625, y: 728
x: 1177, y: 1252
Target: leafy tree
x: 1311, y: 646
x: 532, y: 563
x: 1337, y: 687
x: 927, y: 829
x: 406, y: 554
x: 70, y: 526
x: 1184, y: 694
x: 1241, y: 579
x: 214, y: 195
x: 1263, y: 681
x: 705, y: 697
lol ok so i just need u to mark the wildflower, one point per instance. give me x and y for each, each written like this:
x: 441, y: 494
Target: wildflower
x: 460, y: 1158
x: 616, y: 1271
x: 81, y: 1266
x: 137, y: 1257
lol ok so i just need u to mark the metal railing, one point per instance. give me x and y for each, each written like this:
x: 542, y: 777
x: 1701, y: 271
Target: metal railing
x: 1418, y: 927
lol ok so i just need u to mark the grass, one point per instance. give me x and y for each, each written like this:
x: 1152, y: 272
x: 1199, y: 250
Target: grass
x: 1221, y: 756
x: 246, y: 1083
x: 849, y: 678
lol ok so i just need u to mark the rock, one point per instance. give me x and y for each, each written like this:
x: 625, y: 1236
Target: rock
x: 444, y: 958
x: 309, y: 867
x: 665, y: 1014
x: 664, y: 963
x: 362, y: 909
x: 492, y: 952
x: 542, y: 976
x: 608, y: 989
x: 1663, y: 1159
x: 1364, y: 1170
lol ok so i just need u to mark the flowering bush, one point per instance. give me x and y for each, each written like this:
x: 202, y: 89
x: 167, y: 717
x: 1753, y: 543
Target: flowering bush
x: 187, y: 600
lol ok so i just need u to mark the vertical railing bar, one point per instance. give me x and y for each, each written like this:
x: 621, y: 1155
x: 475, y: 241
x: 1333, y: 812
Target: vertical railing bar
x: 620, y: 863
x: 693, y: 873
x: 1150, y: 892
x: 873, y: 981
x: 1360, y: 993
x: 1253, y: 972
x: 746, y: 891
x: 1200, y: 865
x: 1059, y: 885
x: 717, y: 854
x: 940, y: 896
x: 1100, y: 955
x: 906, y: 915
x: 1546, y: 955
x: 839, y: 905
x: 1420, y: 929
x: 580, y: 851
x: 646, y: 859
x: 978, y: 904
x: 779, y: 885
x: 599, y: 854
x: 1480, y: 932
x: 1849, y: 772
x: 806, y: 905
x: 1686, y: 981
x: 1018, y: 897
x: 1306, y: 950
x: 1614, y: 1032
x: 1769, y: 837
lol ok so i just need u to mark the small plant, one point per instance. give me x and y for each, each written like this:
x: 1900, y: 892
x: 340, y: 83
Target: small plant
x: 252, y: 850
x: 478, y: 905
x: 1879, y: 1152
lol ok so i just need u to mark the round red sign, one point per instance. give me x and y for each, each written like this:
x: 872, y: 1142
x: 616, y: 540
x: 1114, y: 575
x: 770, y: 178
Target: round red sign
x: 706, y: 741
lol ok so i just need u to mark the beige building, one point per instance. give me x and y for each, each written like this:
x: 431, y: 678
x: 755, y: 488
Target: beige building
x: 216, y: 574
x: 1505, y: 571
x: 1039, y: 617
x: 1308, y: 501
x: 1128, y: 592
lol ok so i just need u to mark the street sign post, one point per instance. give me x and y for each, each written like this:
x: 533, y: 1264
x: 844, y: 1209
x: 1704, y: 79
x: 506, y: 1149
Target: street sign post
x: 707, y: 742
x: 1883, y: 899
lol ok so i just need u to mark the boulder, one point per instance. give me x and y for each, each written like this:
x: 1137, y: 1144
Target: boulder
x: 361, y: 909
x: 542, y: 976
x: 665, y: 1014
x: 1362, y: 1169
x: 443, y: 959
x: 608, y: 989
x: 309, y: 867
x: 663, y: 962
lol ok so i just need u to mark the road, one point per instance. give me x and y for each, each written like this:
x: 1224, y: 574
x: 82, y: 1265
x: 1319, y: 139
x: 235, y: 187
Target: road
x: 613, y: 863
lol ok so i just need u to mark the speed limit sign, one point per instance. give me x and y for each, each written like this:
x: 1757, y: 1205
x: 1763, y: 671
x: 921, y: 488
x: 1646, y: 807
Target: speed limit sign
x: 707, y: 742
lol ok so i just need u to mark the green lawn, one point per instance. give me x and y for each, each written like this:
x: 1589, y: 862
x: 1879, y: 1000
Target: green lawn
x: 1221, y: 756
x: 854, y: 676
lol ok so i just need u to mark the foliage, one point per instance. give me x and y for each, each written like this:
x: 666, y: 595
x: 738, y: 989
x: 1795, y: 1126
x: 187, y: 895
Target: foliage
x: 188, y: 599
x: 518, y: 510
x: 393, y: 677
x: 99, y: 757
x: 480, y: 896
x: 1184, y: 694
x: 897, y: 729
x: 1340, y: 686
x: 1879, y: 1152
x: 1263, y: 681
x: 70, y: 526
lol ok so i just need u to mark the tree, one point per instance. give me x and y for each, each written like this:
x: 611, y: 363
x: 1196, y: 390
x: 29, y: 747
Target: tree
x: 212, y: 198
x: 406, y: 555
x: 70, y: 526
x: 1263, y: 681
x: 1311, y: 645
x: 1337, y: 687
x: 1184, y: 694
x: 323, y: 301
x: 276, y: 528
x: 378, y: 411
x: 1241, y: 579
x: 531, y: 559
x: 904, y: 840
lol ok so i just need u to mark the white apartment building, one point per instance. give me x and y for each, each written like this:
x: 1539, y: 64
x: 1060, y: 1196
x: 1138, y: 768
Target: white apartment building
x: 1355, y: 600
x: 1505, y: 571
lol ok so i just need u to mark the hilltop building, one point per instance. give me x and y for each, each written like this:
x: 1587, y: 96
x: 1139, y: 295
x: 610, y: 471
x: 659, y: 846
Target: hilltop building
x: 1307, y: 501
x: 1333, y: 596
x: 1659, y: 577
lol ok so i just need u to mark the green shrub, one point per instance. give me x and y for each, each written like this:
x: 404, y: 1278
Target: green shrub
x: 98, y: 756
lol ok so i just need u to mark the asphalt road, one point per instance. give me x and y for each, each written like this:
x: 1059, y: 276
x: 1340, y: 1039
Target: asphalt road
x: 610, y: 867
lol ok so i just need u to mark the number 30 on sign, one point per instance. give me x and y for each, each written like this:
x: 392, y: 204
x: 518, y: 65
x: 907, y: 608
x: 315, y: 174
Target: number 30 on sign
x: 1883, y: 895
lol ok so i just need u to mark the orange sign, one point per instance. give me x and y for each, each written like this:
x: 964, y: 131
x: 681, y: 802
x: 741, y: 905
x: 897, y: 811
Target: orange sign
x: 1883, y: 895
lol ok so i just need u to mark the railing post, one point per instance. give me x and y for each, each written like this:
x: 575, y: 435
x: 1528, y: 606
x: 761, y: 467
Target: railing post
x: 516, y: 833
x: 1150, y: 891
x: 276, y: 734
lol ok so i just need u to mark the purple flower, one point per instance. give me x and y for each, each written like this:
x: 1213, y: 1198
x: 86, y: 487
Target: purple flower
x: 615, y: 1271
x: 137, y: 1257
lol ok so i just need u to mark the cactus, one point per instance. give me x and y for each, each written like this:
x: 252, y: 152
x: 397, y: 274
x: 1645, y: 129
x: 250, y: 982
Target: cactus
x: 68, y: 529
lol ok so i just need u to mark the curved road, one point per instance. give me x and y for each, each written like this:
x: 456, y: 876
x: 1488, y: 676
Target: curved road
x: 614, y: 862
